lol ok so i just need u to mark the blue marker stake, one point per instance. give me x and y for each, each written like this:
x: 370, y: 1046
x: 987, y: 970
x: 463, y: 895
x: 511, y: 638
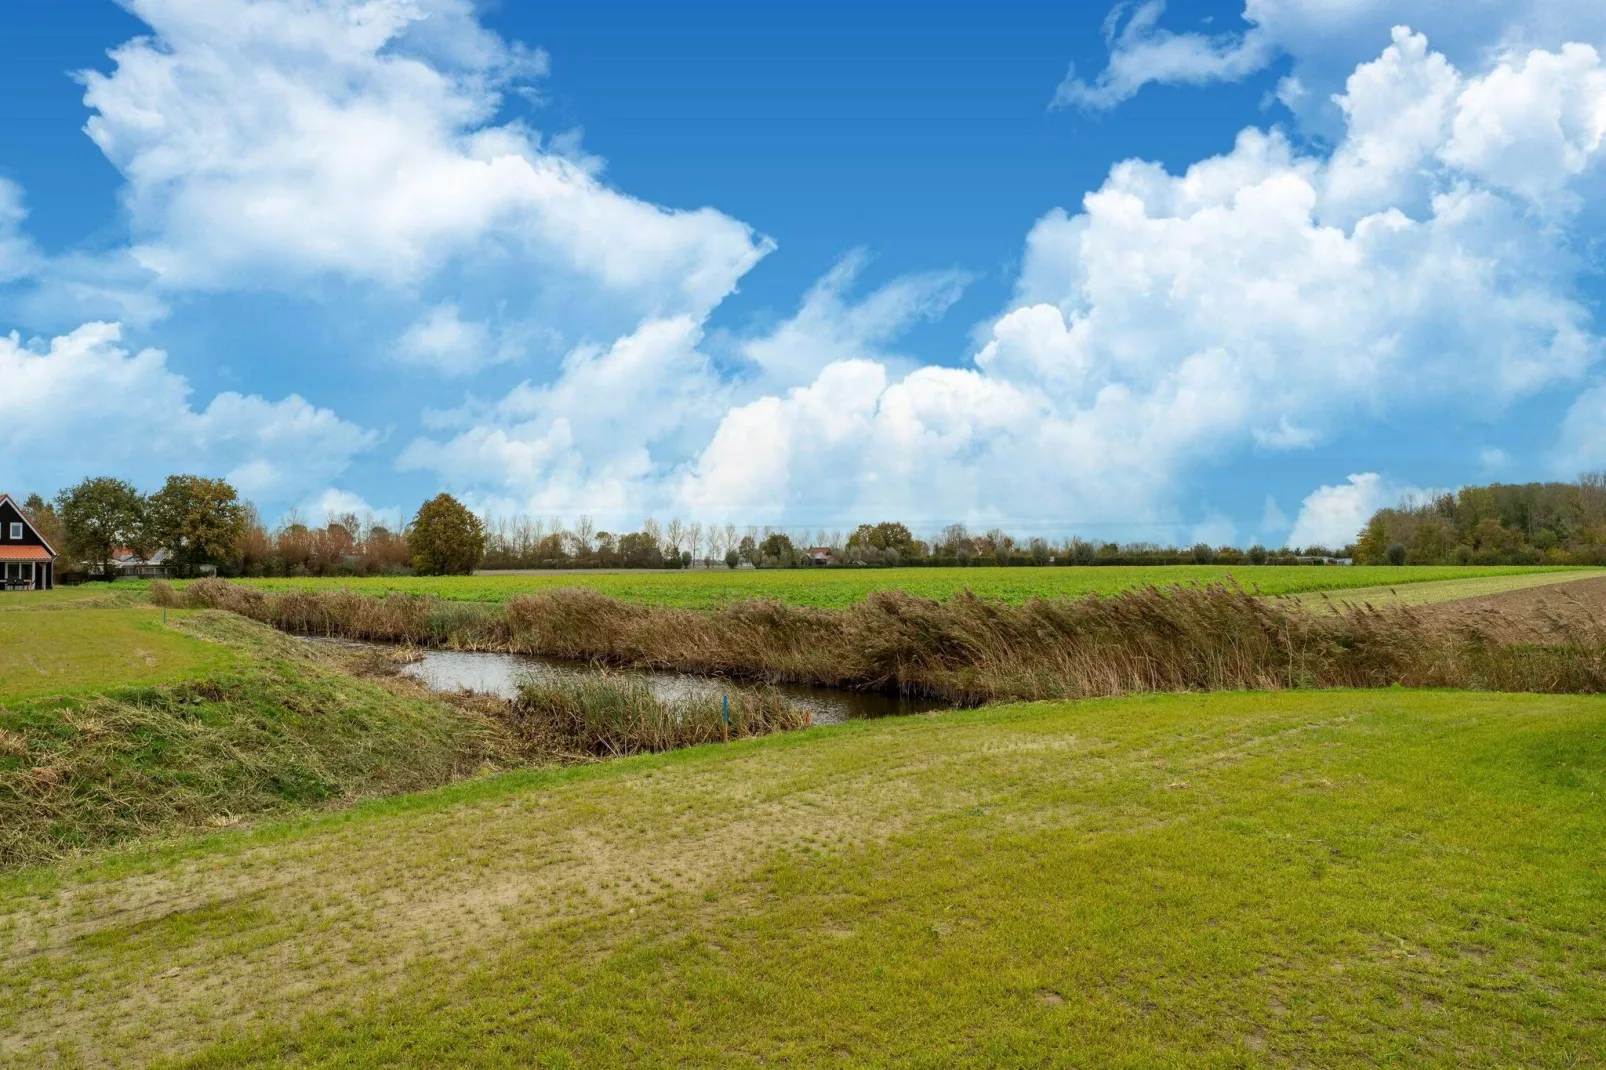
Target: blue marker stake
x: 726, y: 727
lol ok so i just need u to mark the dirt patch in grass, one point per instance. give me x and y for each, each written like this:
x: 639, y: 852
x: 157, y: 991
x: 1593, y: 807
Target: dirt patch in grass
x: 1577, y: 608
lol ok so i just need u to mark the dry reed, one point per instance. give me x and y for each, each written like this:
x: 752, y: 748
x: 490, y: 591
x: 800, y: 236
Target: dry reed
x: 968, y: 649
x: 608, y: 716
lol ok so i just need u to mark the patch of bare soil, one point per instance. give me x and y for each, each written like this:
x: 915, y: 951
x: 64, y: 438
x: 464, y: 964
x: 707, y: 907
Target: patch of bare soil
x: 1555, y: 613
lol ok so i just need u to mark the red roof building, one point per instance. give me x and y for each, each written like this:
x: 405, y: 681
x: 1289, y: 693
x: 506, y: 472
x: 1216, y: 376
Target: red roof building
x: 27, y: 560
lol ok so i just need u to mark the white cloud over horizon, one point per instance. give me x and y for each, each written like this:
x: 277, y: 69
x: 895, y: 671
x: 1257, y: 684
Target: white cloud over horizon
x: 1334, y: 516
x: 1421, y: 254
x: 80, y: 398
x: 1265, y: 296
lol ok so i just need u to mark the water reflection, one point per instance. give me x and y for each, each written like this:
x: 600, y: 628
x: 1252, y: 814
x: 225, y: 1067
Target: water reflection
x: 499, y: 674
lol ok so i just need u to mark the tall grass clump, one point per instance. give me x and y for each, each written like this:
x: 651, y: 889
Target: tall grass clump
x: 968, y: 649
x: 609, y: 716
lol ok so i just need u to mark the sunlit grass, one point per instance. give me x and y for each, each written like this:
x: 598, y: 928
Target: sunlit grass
x: 835, y: 588
x: 1315, y: 878
x: 70, y: 650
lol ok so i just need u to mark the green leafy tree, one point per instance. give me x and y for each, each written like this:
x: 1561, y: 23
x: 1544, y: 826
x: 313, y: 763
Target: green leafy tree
x: 100, y: 515
x: 445, y: 538
x: 46, y: 521
x: 887, y: 535
x: 640, y: 550
x: 1372, y: 547
x: 777, y: 547
x: 198, y: 521
x: 1257, y: 554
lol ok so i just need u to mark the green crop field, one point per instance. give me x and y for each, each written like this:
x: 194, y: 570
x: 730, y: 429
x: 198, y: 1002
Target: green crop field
x: 834, y: 588
x: 1314, y: 879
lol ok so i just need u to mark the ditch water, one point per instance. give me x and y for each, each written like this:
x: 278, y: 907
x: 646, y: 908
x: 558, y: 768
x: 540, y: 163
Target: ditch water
x: 499, y: 675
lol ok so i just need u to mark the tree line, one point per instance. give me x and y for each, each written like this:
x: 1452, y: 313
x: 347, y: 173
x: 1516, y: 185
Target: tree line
x: 1497, y: 524
x: 203, y: 525
x: 194, y: 524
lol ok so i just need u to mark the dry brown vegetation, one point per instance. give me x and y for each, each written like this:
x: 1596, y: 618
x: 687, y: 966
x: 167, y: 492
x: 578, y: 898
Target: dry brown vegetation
x: 970, y: 650
x: 610, y: 716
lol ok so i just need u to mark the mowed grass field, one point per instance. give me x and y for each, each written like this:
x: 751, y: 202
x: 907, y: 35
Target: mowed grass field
x: 1234, y: 879
x: 835, y: 588
x: 49, y: 651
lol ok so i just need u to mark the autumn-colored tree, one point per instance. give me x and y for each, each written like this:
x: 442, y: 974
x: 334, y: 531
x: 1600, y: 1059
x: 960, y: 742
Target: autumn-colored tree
x: 198, y: 521
x: 445, y: 538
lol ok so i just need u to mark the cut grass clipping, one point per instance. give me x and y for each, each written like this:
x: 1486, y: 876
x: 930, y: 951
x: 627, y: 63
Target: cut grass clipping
x: 1312, y: 879
x: 837, y: 588
x: 970, y: 650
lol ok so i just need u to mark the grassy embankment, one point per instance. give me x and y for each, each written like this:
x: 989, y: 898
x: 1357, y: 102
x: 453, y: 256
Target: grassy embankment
x: 1233, y: 879
x: 839, y: 588
x: 114, y: 725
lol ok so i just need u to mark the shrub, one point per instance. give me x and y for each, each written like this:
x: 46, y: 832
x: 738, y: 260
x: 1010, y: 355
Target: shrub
x: 609, y: 716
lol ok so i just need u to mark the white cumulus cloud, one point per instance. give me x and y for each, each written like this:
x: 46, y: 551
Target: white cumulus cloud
x: 82, y: 404
x: 1333, y: 516
x: 1325, y: 38
x: 1267, y: 296
x: 271, y: 142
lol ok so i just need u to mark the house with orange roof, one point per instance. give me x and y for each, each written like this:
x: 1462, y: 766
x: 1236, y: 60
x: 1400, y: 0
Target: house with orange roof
x: 27, y: 560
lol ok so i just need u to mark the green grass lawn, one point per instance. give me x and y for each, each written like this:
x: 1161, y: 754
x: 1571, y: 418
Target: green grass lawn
x: 62, y: 651
x: 1234, y: 879
x: 834, y: 588
x: 127, y: 592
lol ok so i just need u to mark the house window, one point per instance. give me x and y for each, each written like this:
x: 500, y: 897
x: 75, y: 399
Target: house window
x: 16, y: 531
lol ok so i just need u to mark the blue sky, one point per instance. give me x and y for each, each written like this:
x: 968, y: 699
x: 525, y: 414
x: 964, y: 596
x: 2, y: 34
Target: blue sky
x: 1245, y: 272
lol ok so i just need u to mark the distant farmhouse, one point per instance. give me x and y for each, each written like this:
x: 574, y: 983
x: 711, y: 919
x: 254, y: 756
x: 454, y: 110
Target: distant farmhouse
x: 157, y: 566
x: 28, y: 561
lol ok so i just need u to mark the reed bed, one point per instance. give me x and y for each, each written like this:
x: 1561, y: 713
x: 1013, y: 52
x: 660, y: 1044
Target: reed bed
x: 609, y: 716
x: 971, y: 650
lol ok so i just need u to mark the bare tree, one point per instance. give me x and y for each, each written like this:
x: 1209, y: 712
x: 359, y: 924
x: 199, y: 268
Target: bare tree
x: 694, y: 539
x: 650, y: 528
x: 674, y: 535
x: 727, y: 539
x: 584, y: 531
